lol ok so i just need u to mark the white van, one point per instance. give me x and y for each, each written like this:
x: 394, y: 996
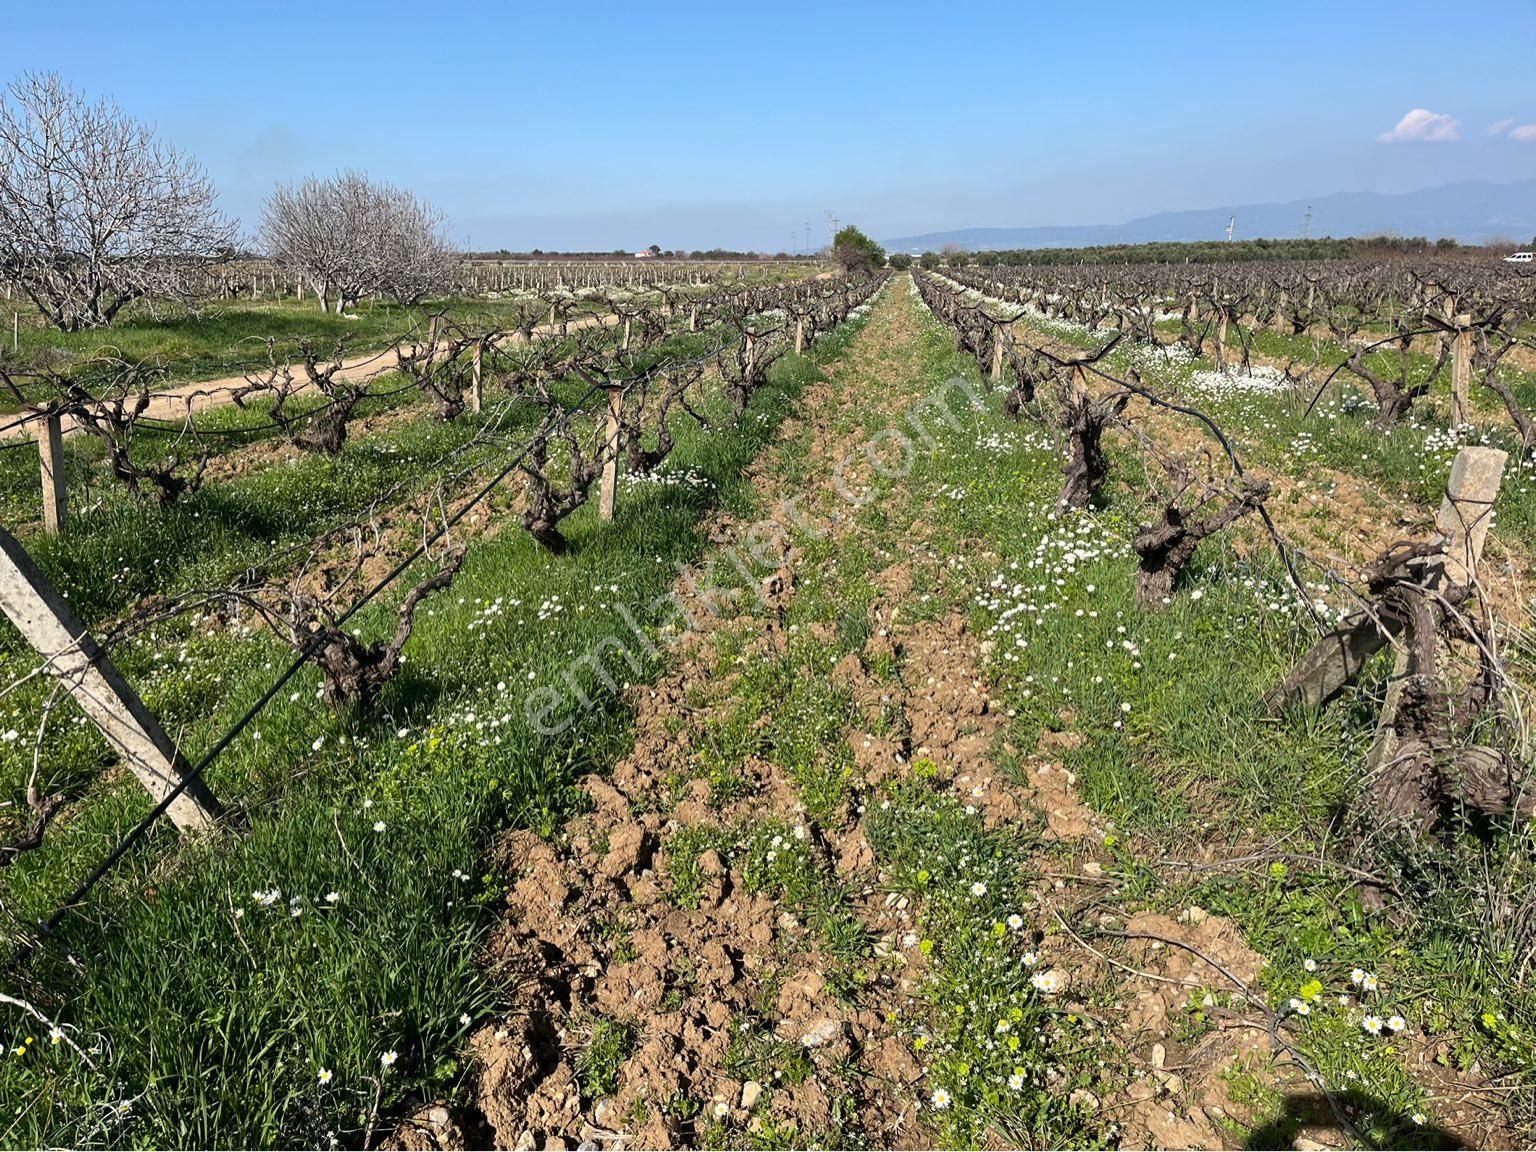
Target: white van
x: 1520, y: 258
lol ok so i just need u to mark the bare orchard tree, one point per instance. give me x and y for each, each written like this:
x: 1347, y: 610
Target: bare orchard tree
x: 350, y: 236
x: 94, y: 211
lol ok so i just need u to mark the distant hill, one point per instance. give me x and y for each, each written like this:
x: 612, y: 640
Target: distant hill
x: 1471, y: 211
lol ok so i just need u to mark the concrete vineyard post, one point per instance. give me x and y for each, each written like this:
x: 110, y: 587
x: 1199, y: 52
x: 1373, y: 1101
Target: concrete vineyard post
x: 50, y: 446
x: 1463, y: 520
x: 625, y: 346
x: 1338, y: 658
x: 73, y: 657
x: 1461, y: 373
x: 997, y: 350
x: 1466, y: 513
x: 610, y: 491
x: 799, y: 335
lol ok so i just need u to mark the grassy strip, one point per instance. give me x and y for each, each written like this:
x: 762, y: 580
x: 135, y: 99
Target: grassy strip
x: 227, y: 339
x: 1178, y: 751
x: 1274, y: 428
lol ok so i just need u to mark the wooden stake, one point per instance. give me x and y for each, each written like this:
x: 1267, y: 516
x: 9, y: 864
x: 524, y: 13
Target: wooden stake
x: 50, y: 447
x: 476, y: 393
x: 610, y: 491
x: 44, y: 618
x: 1461, y: 372
x: 799, y: 335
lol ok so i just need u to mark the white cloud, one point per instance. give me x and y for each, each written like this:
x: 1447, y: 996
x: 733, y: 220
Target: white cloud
x: 1423, y: 125
x: 1525, y: 132
x: 1499, y: 127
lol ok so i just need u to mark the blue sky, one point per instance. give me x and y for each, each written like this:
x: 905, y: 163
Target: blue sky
x: 694, y: 125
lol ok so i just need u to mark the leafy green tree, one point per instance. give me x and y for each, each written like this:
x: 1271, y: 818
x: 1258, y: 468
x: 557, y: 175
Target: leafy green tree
x: 856, y: 252
x: 930, y: 260
x: 901, y: 261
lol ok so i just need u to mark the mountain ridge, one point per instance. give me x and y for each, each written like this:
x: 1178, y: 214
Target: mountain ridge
x: 1470, y: 211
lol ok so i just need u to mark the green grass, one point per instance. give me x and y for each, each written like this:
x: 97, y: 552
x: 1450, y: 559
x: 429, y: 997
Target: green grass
x: 213, y: 1014
x: 228, y: 338
x: 1290, y: 434
x: 1001, y: 1058
x: 606, y: 1050
x: 1180, y: 756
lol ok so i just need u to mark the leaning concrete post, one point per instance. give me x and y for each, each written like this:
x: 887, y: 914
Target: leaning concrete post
x: 50, y: 444
x: 997, y: 350
x: 1463, y: 520
x: 1338, y: 658
x: 73, y: 657
x: 1467, y: 510
x: 610, y: 492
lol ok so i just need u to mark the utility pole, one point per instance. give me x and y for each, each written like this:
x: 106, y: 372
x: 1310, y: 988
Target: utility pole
x: 1231, y: 224
x: 831, y: 228
x: 807, y: 237
x: 1306, y: 224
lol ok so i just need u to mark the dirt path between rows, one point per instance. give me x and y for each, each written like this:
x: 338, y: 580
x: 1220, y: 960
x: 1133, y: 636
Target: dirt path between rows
x: 182, y: 401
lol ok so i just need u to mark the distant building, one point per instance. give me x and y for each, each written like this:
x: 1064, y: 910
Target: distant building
x: 644, y: 255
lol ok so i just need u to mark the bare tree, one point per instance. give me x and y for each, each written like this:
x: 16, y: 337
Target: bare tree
x: 350, y: 236
x: 94, y: 211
